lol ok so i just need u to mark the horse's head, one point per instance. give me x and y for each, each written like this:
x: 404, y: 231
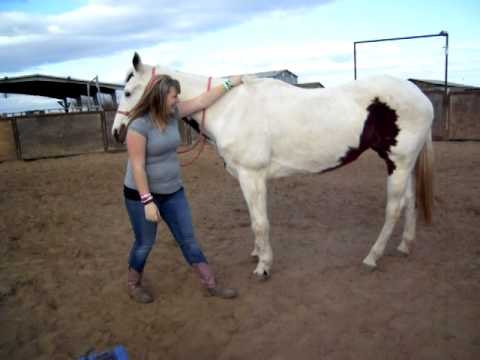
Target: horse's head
x: 138, y: 78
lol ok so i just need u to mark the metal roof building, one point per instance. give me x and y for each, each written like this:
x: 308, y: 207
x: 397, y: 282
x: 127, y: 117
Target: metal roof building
x: 287, y: 76
x: 58, y: 87
x: 440, y: 85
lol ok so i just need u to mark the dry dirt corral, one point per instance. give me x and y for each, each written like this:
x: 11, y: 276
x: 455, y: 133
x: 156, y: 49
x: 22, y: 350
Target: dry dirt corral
x: 65, y: 238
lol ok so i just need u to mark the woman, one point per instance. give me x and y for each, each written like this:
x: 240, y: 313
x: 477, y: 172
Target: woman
x: 153, y: 186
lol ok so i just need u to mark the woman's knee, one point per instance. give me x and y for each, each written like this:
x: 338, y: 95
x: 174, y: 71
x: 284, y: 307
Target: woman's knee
x: 193, y: 252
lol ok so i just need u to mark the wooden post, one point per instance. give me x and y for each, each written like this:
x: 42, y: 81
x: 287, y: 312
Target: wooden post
x: 447, y: 117
x: 16, y: 136
x: 104, y: 130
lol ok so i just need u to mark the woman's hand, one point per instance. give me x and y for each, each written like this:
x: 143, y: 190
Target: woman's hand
x: 206, y: 99
x: 235, y: 80
x: 151, y: 212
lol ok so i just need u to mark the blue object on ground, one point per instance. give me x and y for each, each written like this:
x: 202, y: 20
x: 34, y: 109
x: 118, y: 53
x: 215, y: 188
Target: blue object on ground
x: 118, y: 353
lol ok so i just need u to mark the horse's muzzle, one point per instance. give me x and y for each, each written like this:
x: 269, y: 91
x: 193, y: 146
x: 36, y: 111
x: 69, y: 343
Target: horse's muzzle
x: 121, y: 134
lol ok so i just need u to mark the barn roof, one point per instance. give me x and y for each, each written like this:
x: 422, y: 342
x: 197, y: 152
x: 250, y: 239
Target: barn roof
x: 273, y: 73
x: 53, y: 86
x: 441, y: 84
x: 310, y: 85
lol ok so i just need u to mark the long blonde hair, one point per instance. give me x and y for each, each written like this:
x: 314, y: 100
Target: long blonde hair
x: 154, y: 100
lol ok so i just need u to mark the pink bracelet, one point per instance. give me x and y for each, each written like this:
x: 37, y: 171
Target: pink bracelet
x: 146, y: 198
x: 147, y: 201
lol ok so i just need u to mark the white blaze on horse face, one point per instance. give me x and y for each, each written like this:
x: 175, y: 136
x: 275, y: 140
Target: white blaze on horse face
x: 133, y: 90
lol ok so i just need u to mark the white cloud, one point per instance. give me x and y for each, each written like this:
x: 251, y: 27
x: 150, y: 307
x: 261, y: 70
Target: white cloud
x: 102, y: 27
x: 54, y: 29
x: 217, y: 38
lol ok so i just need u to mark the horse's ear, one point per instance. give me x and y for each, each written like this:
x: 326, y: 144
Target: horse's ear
x: 136, y: 61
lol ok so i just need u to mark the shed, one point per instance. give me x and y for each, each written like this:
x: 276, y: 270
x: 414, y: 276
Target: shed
x: 440, y: 85
x: 285, y: 75
x: 57, y: 87
x: 456, y: 113
x: 310, y: 85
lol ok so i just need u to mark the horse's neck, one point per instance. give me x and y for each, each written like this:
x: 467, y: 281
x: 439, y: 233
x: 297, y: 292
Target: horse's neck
x: 191, y: 85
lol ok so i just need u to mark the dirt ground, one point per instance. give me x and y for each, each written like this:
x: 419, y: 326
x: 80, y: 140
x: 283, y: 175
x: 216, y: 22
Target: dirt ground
x: 65, y: 236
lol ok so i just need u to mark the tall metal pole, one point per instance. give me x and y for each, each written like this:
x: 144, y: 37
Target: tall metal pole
x: 355, y: 60
x: 97, y: 85
x: 88, y: 96
x: 441, y: 33
x: 446, y: 60
x: 99, y: 94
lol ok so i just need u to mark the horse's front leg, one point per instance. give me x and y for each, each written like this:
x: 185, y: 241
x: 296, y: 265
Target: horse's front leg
x: 254, y: 188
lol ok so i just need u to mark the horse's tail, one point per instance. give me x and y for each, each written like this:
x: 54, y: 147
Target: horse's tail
x: 424, y: 178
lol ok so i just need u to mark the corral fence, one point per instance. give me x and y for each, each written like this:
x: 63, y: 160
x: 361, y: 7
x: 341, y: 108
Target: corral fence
x: 457, y: 114
x: 457, y: 117
x: 63, y: 134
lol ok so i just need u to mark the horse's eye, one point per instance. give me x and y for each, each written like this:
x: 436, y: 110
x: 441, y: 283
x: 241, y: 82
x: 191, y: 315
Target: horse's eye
x: 127, y: 94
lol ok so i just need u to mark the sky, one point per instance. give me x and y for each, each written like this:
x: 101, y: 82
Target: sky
x: 313, y: 39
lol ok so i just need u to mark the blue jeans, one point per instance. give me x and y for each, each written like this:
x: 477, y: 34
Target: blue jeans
x: 175, y: 211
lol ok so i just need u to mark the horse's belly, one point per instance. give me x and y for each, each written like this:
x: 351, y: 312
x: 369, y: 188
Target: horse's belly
x: 286, y: 167
x: 312, y: 149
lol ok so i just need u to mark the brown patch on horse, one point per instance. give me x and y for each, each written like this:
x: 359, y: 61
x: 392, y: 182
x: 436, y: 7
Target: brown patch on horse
x: 379, y: 133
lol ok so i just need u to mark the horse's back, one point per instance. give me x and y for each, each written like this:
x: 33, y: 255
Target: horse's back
x: 399, y: 94
x: 278, y: 97
x: 304, y: 129
x: 290, y: 130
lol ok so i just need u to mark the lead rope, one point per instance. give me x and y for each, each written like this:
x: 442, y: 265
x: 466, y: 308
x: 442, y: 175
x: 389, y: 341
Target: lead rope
x: 201, y: 138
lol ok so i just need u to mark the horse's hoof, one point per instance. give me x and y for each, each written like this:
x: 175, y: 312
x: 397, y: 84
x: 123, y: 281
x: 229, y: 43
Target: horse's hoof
x: 402, y: 250
x: 400, y: 253
x: 263, y: 276
x: 368, y: 267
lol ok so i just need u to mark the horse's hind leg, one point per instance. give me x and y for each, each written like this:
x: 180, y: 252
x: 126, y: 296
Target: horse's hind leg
x: 410, y: 217
x: 253, y: 184
x: 396, y: 188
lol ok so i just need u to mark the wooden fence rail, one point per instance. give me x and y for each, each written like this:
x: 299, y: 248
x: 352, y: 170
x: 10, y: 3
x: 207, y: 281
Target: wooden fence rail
x: 54, y: 135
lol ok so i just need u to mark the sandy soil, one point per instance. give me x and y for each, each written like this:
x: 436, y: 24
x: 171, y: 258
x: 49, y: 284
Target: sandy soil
x: 65, y: 237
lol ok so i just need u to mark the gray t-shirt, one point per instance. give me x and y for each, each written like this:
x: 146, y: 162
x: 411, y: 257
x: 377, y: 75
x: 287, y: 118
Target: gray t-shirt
x: 161, y: 161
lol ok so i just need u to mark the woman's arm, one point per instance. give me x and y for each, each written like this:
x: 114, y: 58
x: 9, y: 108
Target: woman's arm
x: 206, y: 99
x: 136, y: 145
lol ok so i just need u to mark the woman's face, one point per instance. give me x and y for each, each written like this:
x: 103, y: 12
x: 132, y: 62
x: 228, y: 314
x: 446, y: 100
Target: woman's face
x: 172, y: 100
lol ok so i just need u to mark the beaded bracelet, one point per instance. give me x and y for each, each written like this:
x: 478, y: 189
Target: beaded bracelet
x: 146, y: 195
x: 148, y: 201
x: 146, y: 198
x: 227, y: 84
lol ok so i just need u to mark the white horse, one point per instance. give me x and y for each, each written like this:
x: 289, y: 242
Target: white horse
x: 266, y: 128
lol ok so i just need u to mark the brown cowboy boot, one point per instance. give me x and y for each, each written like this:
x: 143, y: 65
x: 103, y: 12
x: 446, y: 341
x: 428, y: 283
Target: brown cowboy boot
x: 208, y: 280
x: 135, y: 289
